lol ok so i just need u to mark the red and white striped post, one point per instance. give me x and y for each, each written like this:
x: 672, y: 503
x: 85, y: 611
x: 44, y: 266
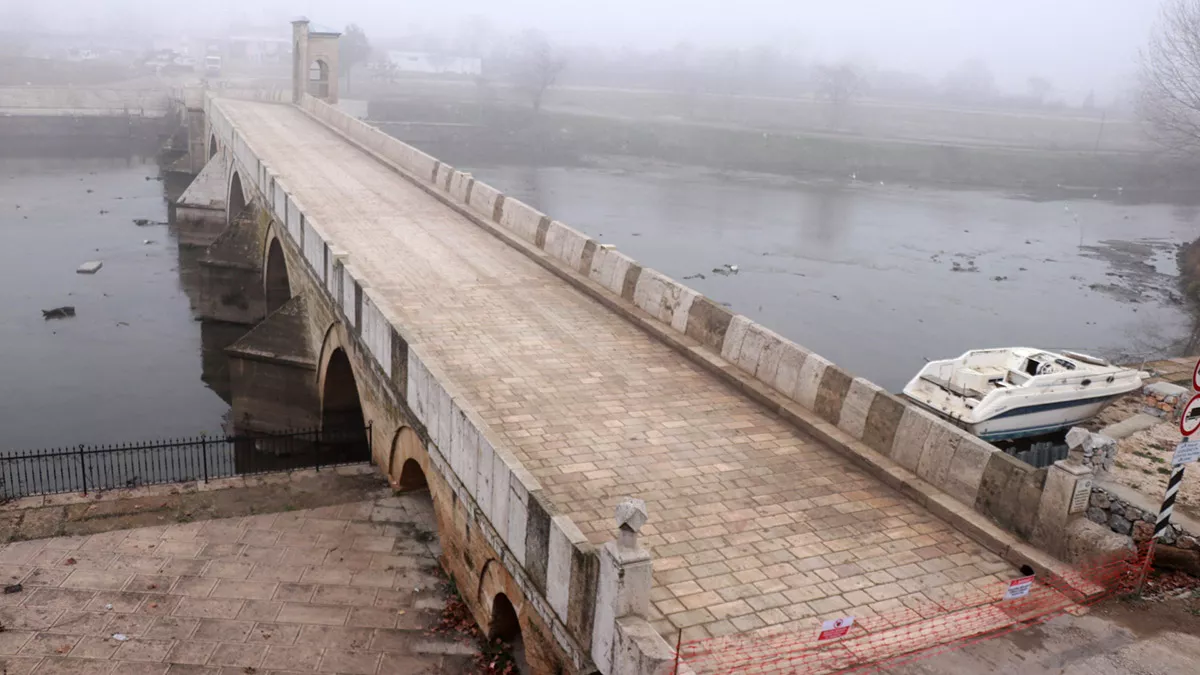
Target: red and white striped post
x: 1185, y: 453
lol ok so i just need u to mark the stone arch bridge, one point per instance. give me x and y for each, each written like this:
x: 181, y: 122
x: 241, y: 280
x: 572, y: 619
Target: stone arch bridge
x: 533, y: 378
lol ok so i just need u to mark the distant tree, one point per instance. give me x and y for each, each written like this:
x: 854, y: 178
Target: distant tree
x: 1169, y: 98
x: 971, y: 81
x: 839, y: 84
x: 353, y: 49
x: 1089, y: 101
x: 538, y: 67
x: 1039, y: 88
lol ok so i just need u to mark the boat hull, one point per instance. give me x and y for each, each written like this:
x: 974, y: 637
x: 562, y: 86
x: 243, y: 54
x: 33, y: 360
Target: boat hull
x: 1033, y: 420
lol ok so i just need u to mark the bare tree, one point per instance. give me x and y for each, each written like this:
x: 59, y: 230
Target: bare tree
x: 538, y: 67
x: 839, y: 84
x: 353, y: 49
x: 1169, y: 99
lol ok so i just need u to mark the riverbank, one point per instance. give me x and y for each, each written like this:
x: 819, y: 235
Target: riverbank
x: 491, y: 132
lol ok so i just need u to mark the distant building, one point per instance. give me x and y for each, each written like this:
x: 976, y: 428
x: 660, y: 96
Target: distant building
x: 436, y: 64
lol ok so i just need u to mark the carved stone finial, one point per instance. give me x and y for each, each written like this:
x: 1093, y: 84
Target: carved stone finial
x: 631, y: 514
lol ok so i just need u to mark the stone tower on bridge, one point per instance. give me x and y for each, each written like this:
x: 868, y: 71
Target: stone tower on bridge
x: 314, y: 62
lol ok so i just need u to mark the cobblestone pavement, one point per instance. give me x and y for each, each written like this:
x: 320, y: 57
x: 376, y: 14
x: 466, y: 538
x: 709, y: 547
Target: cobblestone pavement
x: 753, y: 524
x: 338, y: 589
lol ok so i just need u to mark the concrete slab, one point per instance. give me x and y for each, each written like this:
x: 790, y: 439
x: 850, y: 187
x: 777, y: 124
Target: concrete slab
x: 90, y: 267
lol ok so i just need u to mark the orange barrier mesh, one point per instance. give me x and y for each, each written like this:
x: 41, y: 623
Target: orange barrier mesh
x: 911, y: 631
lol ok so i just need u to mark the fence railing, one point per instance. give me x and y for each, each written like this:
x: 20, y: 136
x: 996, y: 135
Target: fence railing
x: 106, y: 467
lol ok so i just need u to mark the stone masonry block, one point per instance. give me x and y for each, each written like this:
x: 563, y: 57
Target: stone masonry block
x: 707, y: 323
x: 809, y: 382
x: 966, y: 468
x: 831, y: 395
x: 459, y: 183
x: 483, y: 199
x: 609, y: 268
x: 787, y: 373
x: 521, y: 219
x: 468, y: 462
x: 940, y: 446
x: 501, y: 475
x: 445, y: 417
x: 735, y: 335
x: 558, y: 567
x: 581, y: 606
x: 856, y: 407
x: 911, y: 434
x: 518, y: 510
x: 752, y: 348
x: 664, y: 299
x: 484, y: 474
x: 770, y: 356
x: 630, y: 282
x: 418, y: 388
x: 564, y: 244
x: 882, y: 421
x: 537, y: 540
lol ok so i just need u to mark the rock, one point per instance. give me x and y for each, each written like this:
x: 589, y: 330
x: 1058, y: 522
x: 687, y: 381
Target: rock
x: 58, y: 312
x: 1079, y: 437
x: 1086, y: 540
x: 1097, y: 515
x: 1170, y: 557
x: 1100, y: 499
x: 1188, y: 543
x: 1133, y: 514
x: 1119, y: 524
x: 1169, y: 536
x: 1142, y: 531
x: 90, y: 267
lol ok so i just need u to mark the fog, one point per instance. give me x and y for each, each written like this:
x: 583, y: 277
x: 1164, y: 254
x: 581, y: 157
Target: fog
x: 1080, y: 45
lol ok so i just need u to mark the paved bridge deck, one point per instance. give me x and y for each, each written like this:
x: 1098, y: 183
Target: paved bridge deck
x: 752, y: 523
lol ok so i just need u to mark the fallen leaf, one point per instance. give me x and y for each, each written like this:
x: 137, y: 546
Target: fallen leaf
x: 69, y: 561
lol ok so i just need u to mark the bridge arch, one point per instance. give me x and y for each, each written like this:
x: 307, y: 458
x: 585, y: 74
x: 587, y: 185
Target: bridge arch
x: 506, y: 627
x: 277, y: 287
x: 236, y: 200
x: 318, y: 78
x: 408, y: 461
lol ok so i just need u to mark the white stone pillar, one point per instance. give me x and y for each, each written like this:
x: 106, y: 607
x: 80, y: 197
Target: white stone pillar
x: 1065, y: 497
x: 623, y: 586
x: 299, y: 59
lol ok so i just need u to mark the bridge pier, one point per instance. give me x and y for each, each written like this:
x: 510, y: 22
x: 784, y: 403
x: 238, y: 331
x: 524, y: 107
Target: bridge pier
x: 200, y: 210
x: 273, y: 373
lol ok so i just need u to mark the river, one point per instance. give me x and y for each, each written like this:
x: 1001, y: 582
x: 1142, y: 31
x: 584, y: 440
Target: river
x: 127, y: 367
x: 863, y: 274
x: 880, y: 278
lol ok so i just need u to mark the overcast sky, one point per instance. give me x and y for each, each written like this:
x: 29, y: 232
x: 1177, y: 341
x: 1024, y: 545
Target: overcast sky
x: 1079, y: 44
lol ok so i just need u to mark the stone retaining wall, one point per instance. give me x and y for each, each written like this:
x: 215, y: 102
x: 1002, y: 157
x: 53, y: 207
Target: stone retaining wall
x: 1178, y: 548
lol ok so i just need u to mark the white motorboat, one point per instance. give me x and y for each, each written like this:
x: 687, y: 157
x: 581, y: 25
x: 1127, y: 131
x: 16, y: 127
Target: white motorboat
x: 1000, y: 394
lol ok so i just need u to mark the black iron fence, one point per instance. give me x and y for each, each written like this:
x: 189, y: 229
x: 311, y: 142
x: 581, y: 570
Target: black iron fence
x: 105, y: 467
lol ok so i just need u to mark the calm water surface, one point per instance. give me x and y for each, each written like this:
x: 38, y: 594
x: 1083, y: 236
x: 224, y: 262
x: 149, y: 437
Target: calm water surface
x: 865, y: 275
x: 128, y: 366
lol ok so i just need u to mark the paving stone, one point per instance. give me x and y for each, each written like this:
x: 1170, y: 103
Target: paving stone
x: 240, y: 655
x: 299, y: 658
